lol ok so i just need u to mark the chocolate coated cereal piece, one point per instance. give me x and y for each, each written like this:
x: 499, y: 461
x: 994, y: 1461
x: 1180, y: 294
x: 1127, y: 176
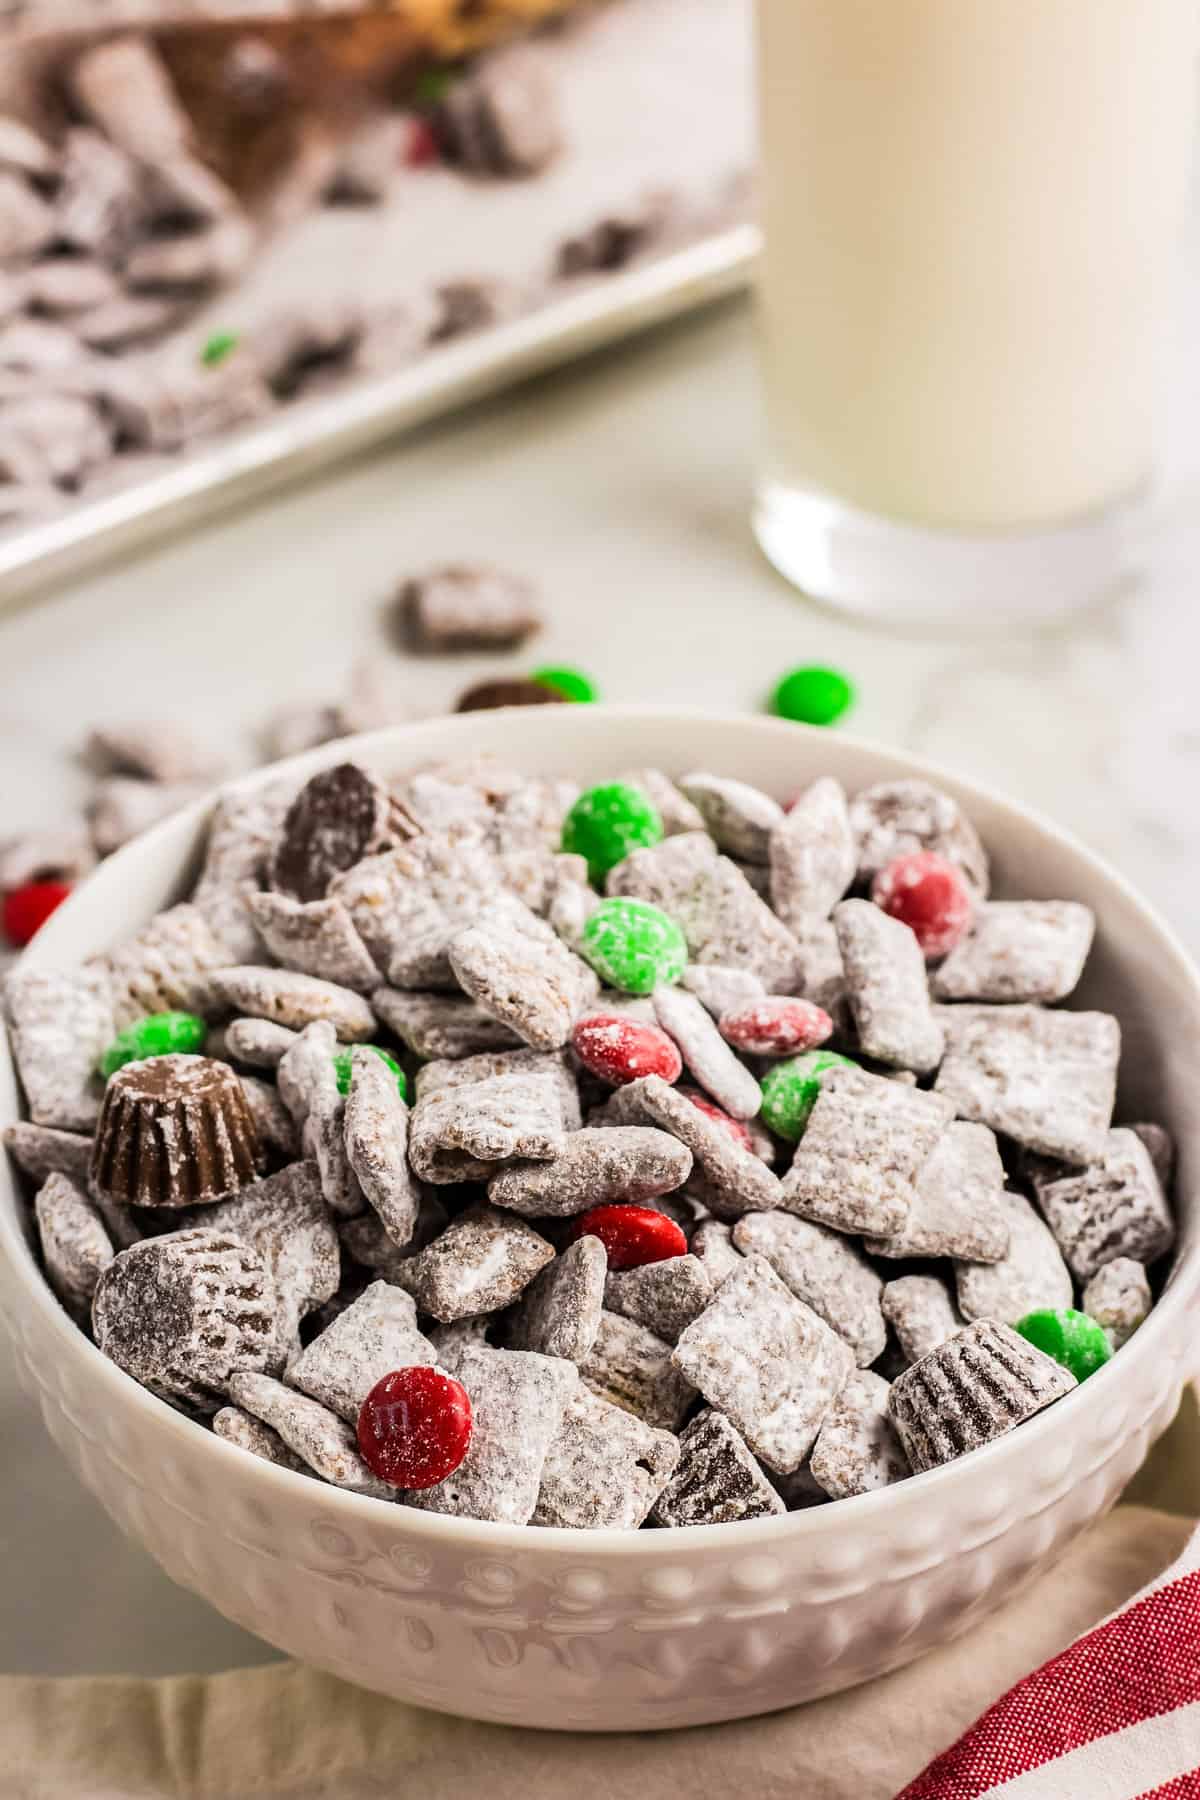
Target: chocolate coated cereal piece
x: 715, y: 1066
x: 61, y: 1022
x: 444, y: 1073
x: 276, y: 1128
x: 64, y: 854
x: 1018, y: 950
x: 286, y: 998
x: 365, y: 1240
x: 503, y: 119
x: 40, y: 1151
x: 521, y: 973
x: 718, y: 1481
x: 468, y: 606
x: 1031, y: 1276
x: 174, y: 1131
x: 713, y: 1248
x: 241, y: 836
x: 604, y: 1469
x: 721, y: 990
x: 376, y: 1334
x: 957, y: 1207
x: 719, y: 913
x: 182, y: 1313
x: 76, y: 1249
x: 631, y: 1368
x: 154, y: 750
x: 1118, y: 1297
x: 921, y: 1312
x: 559, y: 1312
x: 738, y: 1180
x: 315, y: 937
x: 896, y: 817
x: 486, y: 1122
x: 325, y: 1444
x: 441, y: 1025
x: 23, y: 152
x: 376, y: 1126
x: 160, y: 969
x: 812, y: 855
x: 669, y: 802
x: 857, y: 1449
x: 121, y: 85
x: 101, y: 200
x: 337, y: 818
x: 248, y: 1433
x: 258, y: 1042
x: 856, y: 1165
x: 407, y: 904
x: 741, y: 818
x: 308, y: 1087
x: 1115, y: 1207
x: 978, y: 1386
x: 826, y: 1271
x: 285, y: 1219
x: 887, y: 988
x: 631, y: 1163
x: 517, y: 1403
x: 483, y: 1261
x: 663, y: 1296
x: 26, y: 222
x: 1046, y: 1078
x: 765, y: 1359
x: 1160, y: 1144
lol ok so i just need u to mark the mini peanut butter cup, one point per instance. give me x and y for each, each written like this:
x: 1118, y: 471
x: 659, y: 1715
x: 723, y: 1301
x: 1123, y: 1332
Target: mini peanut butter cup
x: 174, y: 1131
x: 977, y: 1386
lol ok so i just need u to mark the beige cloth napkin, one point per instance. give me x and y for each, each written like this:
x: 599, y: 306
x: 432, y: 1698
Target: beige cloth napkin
x: 288, y: 1733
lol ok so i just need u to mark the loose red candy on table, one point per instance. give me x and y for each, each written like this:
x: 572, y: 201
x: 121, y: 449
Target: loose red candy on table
x: 414, y: 1427
x: 620, y: 1050
x: 776, y: 1026
x: 632, y: 1235
x: 929, y: 895
x: 24, y: 910
x: 711, y: 1110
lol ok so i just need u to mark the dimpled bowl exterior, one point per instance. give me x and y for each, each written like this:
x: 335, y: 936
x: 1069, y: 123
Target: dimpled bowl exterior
x: 604, y: 1630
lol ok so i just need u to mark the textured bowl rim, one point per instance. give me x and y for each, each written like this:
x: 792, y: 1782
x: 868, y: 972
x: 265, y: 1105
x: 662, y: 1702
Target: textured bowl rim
x: 814, y: 1524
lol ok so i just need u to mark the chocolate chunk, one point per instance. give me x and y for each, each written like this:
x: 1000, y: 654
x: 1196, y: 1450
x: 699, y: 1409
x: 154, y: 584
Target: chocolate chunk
x: 174, y: 1131
x: 337, y: 818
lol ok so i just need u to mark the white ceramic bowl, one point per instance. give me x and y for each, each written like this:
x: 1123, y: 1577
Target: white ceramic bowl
x: 608, y: 1630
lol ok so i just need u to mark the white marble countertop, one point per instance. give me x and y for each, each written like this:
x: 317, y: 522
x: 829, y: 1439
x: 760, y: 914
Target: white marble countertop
x: 623, y: 486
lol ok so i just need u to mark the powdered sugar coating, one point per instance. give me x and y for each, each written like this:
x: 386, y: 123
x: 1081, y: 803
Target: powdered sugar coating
x: 376, y: 1334
x: 978, y: 1386
x: 559, y: 1312
x: 957, y: 1205
x: 286, y: 998
x: 1018, y: 950
x: 519, y: 972
x: 376, y: 1130
x: 663, y: 1296
x: 738, y: 1180
x: 61, y: 1021
x: 1046, y: 1078
x: 485, y: 1065
x: 485, y: 1122
x: 1116, y: 1207
x: 887, y: 988
x: 893, y: 818
x: 672, y: 805
x: 41, y: 1150
x: 286, y: 1221
x: 706, y: 1053
x: 339, y: 816
x: 776, y: 1025
x: 248, y: 1433
x: 276, y: 1128
x: 739, y: 817
x: 258, y: 1042
x: 765, y: 1359
x: 718, y: 1481
x: 856, y: 1164
x: 1118, y: 1297
x: 812, y: 854
x: 921, y: 1311
x: 713, y: 1248
x: 441, y: 1025
x: 604, y: 1468
x: 76, y: 1249
x: 468, y: 606
x: 630, y: 1163
x: 309, y: 1089
x: 826, y: 1271
x: 164, y: 967
x: 482, y: 1262
x: 631, y: 1367
x: 857, y: 1450
x: 314, y: 937
x: 325, y: 1443
x: 720, y: 989
x: 1031, y: 1275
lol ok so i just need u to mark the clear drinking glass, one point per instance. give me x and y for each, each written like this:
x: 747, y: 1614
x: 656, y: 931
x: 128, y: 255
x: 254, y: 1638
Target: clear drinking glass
x: 972, y: 216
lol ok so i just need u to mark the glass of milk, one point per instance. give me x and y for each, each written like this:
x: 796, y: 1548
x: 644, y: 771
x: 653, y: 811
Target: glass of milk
x: 972, y: 212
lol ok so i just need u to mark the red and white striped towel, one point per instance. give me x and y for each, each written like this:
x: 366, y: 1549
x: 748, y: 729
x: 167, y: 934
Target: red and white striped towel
x: 1114, y: 1717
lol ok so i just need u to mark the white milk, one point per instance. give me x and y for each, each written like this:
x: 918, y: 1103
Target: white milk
x: 972, y: 209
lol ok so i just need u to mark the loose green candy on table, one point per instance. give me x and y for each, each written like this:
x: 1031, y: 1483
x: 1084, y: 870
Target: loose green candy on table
x: 813, y: 696
x: 606, y: 823
x: 344, y: 1071
x: 572, y: 684
x: 790, y: 1090
x: 634, y: 946
x: 1071, y: 1338
x: 158, y: 1034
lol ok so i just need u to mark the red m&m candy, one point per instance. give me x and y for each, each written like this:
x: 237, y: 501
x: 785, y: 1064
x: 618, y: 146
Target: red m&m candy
x: 622, y: 1050
x: 776, y: 1026
x: 711, y: 1110
x: 928, y: 894
x: 24, y: 910
x: 632, y: 1235
x: 414, y: 1427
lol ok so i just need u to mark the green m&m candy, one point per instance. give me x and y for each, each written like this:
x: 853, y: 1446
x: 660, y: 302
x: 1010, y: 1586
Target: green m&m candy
x: 790, y: 1089
x: 813, y: 696
x: 343, y: 1070
x: 634, y: 946
x: 1070, y: 1337
x: 158, y: 1034
x: 606, y: 823
x: 572, y: 684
